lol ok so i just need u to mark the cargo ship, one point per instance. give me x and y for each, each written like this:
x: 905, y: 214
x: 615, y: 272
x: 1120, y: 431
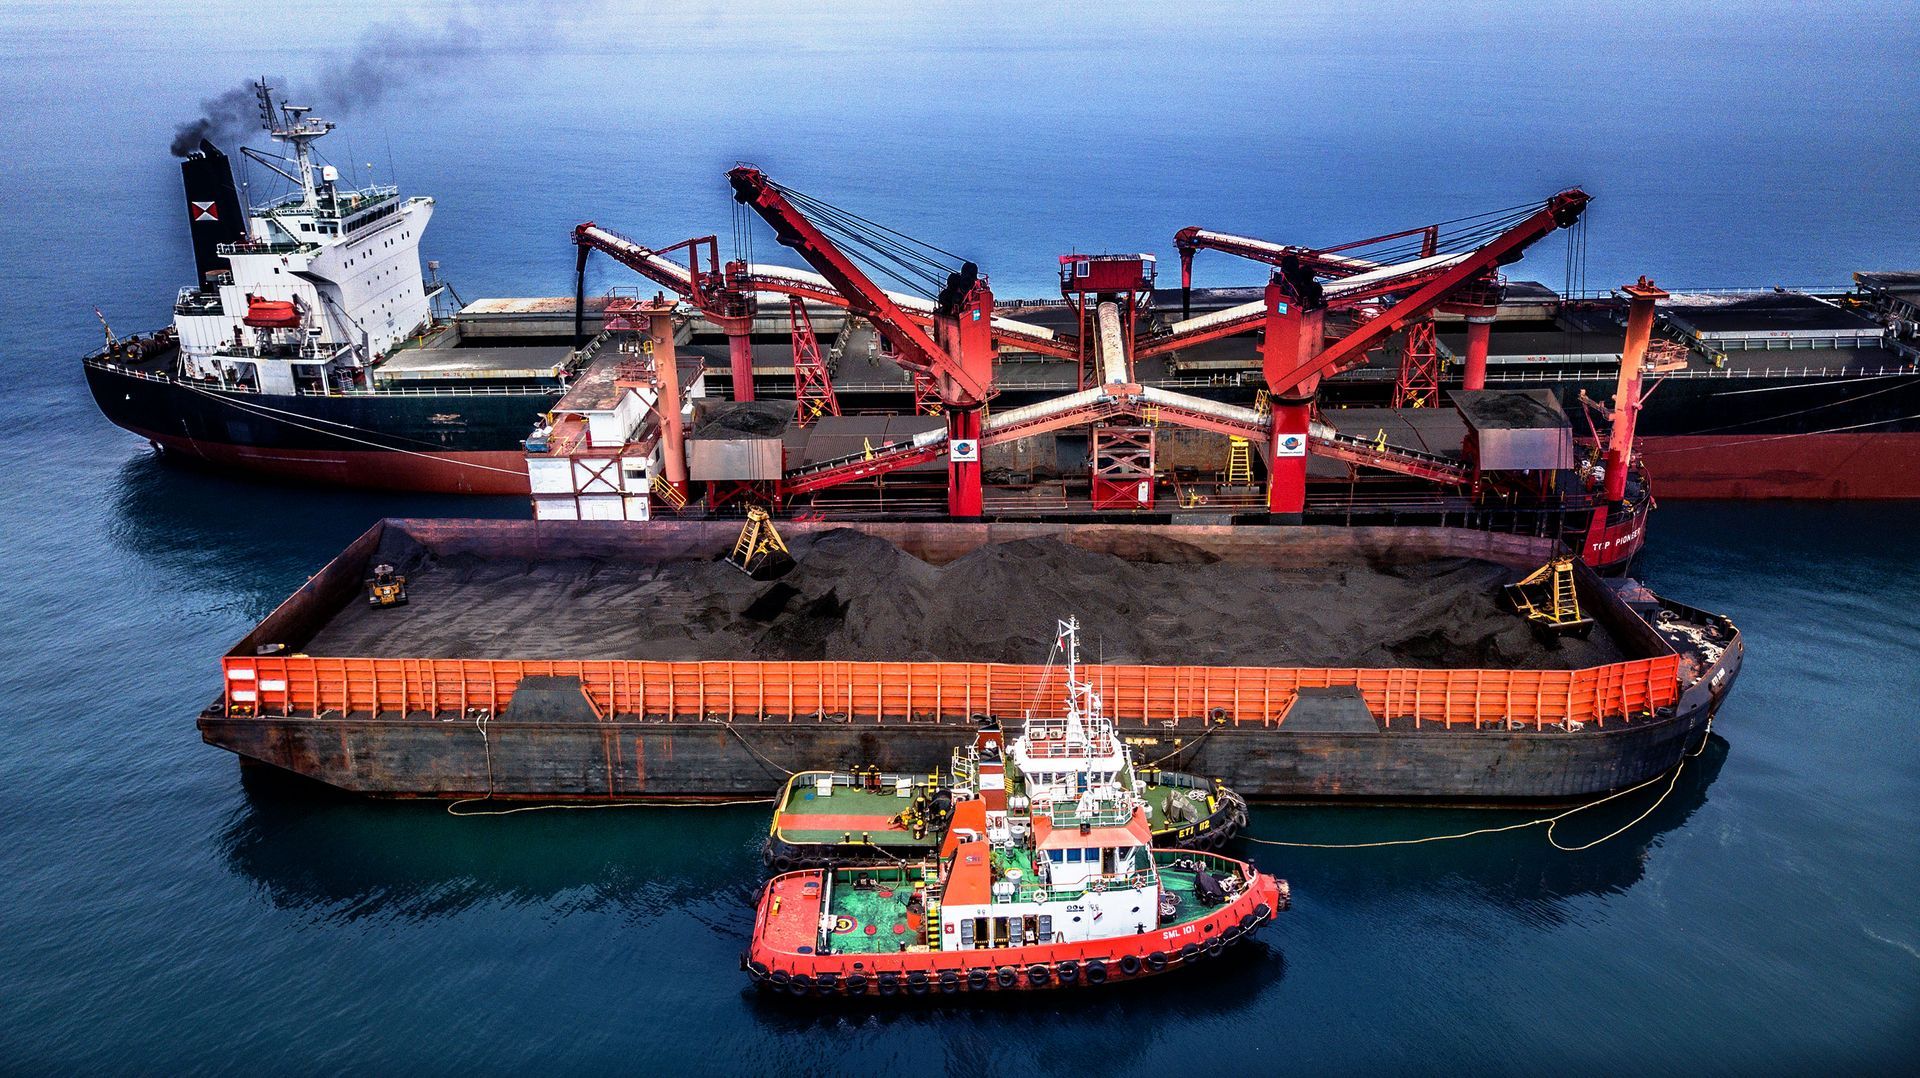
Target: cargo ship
x: 313, y: 347
x: 308, y: 347
x: 824, y: 818
x: 592, y: 660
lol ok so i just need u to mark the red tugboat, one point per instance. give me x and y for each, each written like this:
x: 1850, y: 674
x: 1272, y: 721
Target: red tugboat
x: 1051, y: 888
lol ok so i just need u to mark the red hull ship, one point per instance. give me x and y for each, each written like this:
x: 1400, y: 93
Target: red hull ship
x: 784, y: 954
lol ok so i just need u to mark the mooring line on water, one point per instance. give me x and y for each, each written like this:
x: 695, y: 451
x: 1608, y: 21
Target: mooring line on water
x: 453, y: 808
x: 1672, y: 777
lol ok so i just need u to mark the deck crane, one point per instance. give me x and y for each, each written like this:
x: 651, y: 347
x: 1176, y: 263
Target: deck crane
x: 958, y: 355
x: 727, y: 295
x: 1418, y: 382
x: 704, y: 284
x: 1295, y: 354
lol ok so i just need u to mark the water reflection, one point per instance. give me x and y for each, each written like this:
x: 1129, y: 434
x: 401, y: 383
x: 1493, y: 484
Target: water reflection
x: 195, y: 525
x: 1116, y: 1019
x: 1516, y: 870
x: 342, y: 857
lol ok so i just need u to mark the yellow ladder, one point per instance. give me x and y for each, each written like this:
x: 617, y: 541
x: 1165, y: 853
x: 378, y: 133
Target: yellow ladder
x: 1239, y: 463
x: 1549, y: 599
x: 667, y: 492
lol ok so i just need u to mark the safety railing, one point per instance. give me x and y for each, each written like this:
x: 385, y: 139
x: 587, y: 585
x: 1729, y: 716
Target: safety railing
x: 1608, y: 374
x: 887, y: 692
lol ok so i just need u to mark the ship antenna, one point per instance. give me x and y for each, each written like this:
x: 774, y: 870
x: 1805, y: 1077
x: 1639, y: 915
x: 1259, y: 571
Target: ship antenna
x: 293, y: 125
x: 264, y: 93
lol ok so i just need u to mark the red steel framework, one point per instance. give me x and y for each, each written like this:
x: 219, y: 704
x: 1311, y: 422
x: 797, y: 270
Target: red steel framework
x: 955, y: 361
x: 1123, y: 467
x: 812, y: 388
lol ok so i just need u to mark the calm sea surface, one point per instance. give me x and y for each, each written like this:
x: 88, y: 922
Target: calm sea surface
x: 160, y: 916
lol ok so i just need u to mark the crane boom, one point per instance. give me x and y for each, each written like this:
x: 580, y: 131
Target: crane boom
x: 1291, y: 368
x: 961, y: 367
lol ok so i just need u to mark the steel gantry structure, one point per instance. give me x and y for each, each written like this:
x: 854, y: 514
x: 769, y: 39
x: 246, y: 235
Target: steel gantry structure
x: 949, y: 341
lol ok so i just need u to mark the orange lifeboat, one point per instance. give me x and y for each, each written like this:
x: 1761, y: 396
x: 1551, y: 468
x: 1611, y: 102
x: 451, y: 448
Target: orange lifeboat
x: 271, y: 313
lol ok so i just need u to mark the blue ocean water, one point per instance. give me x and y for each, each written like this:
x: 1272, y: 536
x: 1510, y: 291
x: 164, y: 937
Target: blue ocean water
x: 161, y: 916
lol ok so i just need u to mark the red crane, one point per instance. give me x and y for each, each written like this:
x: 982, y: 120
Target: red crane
x: 705, y: 285
x: 958, y: 355
x: 1418, y: 382
x: 1295, y: 354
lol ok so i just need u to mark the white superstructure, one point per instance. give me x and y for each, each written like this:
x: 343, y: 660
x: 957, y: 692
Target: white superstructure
x: 1073, y: 824
x: 326, y: 281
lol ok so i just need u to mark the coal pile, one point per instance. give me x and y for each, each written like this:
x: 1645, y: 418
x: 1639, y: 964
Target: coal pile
x: 744, y: 419
x: 856, y: 597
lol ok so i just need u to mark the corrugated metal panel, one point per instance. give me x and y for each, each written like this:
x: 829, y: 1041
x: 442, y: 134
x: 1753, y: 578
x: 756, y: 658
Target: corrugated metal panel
x: 733, y: 458
x: 1526, y: 450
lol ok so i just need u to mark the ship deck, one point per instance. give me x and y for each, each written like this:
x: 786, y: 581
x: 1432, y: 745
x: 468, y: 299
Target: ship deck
x: 530, y: 362
x: 867, y: 816
x: 872, y: 910
x: 870, y: 913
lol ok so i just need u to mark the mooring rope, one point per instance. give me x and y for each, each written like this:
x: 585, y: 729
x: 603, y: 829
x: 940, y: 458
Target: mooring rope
x: 1182, y: 748
x: 1552, y: 822
x: 261, y: 409
x: 756, y: 752
x: 453, y: 808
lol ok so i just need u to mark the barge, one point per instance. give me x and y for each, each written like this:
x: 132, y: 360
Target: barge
x: 596, y: 661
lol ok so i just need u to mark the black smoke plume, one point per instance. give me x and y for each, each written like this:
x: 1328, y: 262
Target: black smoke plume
x: 387, y: 59
x: 226, y: 118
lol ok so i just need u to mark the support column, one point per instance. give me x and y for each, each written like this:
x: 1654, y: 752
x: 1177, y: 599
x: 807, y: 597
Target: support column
x: 580, y: 295
x: 666, y: 373
x: 964, y: 499
x: 1287, y: 460
x: 1479, y: 329
x: 1641, y: 296
x: 740, y: 355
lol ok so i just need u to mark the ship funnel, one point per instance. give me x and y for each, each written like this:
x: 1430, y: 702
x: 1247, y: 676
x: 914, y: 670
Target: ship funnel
x: 213, y: 207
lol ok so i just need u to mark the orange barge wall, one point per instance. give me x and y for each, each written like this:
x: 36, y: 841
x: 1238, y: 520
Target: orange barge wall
x: 906, y: 692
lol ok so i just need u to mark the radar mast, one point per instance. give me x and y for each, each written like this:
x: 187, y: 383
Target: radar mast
x: 290, y: 123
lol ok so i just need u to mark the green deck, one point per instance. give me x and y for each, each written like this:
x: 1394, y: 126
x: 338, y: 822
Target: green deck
x: 882, y: 908
x: 807, y: 818
x: 861, y: 812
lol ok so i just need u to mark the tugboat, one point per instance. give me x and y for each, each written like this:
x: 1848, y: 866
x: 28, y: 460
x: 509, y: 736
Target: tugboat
x: 866, y: 815
x: 1052, y: 886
